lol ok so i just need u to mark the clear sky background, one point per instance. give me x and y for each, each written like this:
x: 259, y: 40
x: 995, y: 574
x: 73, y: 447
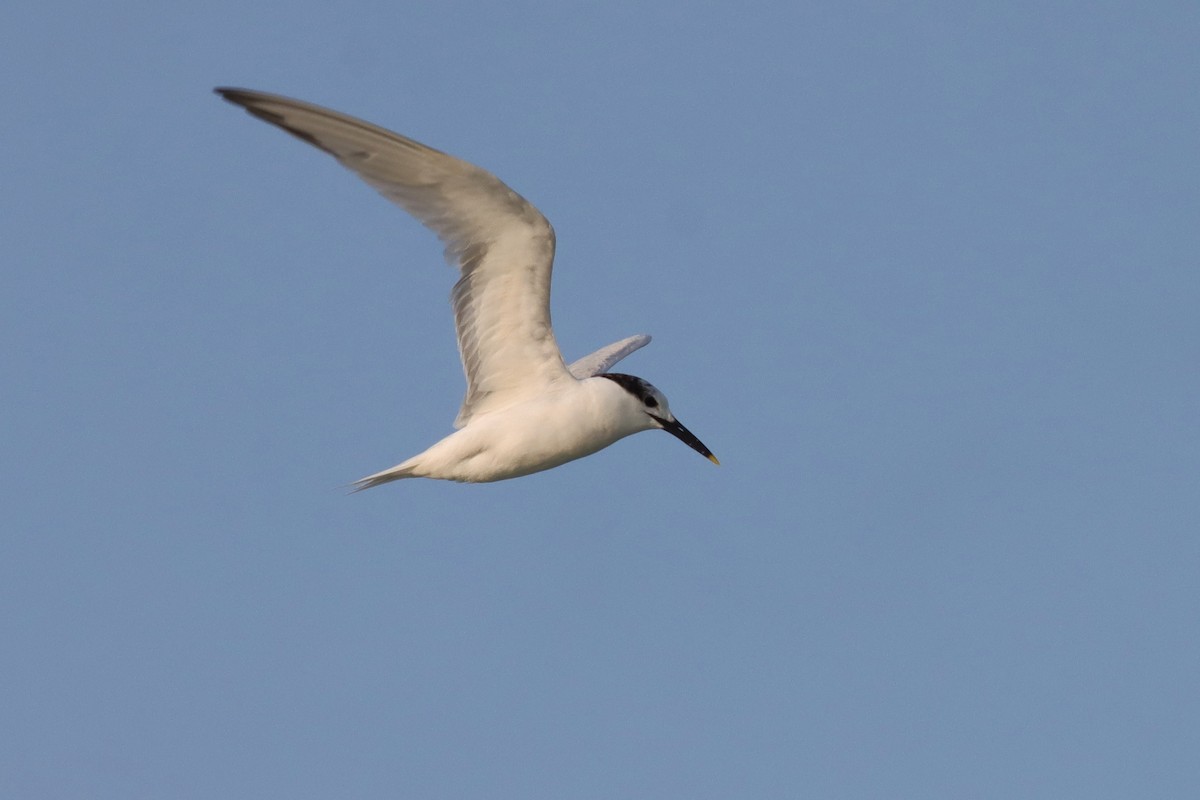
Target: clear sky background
x: 924, y: 277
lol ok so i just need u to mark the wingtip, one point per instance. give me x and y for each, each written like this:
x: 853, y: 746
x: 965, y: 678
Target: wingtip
x: 235, y: 96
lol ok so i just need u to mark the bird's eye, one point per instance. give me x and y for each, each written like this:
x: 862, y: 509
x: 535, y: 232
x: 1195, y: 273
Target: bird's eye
x: 651, y: 402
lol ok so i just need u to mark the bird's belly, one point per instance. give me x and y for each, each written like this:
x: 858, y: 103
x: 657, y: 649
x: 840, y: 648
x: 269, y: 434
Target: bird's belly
x: 547, y: 447
x: 512, y: 445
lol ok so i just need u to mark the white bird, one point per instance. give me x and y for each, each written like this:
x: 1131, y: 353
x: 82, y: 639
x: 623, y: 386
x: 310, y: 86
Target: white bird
x: 525, y: 410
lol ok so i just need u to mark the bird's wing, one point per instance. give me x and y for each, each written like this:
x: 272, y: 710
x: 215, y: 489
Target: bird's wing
x: 503, y: 247
x: 603, y: 359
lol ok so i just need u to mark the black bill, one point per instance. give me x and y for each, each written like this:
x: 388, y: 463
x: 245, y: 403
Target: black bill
x: 676, y: 429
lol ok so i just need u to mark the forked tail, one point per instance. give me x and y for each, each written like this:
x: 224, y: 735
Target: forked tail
x: 395, y: 473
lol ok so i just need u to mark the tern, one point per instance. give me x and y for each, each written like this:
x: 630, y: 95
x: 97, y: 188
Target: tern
x: 525, y: 409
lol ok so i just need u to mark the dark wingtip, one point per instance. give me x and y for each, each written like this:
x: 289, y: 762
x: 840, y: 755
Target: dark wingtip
x: 230, y: 93
x: 250, y: 101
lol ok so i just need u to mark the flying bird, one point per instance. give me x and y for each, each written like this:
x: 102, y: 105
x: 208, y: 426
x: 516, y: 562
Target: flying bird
x: 525, y: 409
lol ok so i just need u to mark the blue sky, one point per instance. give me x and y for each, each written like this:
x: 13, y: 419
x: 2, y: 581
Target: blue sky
x: 923, y: 276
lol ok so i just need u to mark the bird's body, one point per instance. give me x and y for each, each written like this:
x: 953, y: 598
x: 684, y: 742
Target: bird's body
x: 569, y: 420
x: 525, y: 409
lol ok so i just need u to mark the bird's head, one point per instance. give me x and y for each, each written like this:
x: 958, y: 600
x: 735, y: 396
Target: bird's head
x: 649, y: 409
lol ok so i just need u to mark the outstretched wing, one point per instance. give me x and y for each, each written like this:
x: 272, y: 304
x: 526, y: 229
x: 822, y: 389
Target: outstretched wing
x: 503, y: 247
x: 603, y: 359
